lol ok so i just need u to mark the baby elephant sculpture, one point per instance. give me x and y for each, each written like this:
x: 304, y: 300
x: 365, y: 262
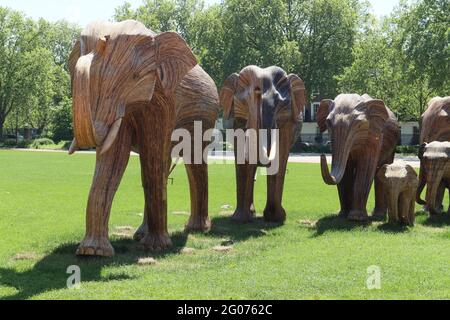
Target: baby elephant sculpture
x: 131, y: 89
x: 436, y: 164
x: 435, y: 126
x: 364, y: 134
x: 267, y: 99
x: 399, y: 181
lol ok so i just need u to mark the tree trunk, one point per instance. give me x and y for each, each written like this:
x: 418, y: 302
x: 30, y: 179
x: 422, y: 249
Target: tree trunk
x: 2, y: 122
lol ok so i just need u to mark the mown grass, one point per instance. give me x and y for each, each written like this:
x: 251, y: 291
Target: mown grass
x: 314, y: 255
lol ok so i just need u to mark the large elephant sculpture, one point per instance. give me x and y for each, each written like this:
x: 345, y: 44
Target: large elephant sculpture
x: 267, y: 99
x: 364, y: 134
x: 131, y: 89
x: 435, y: 126
x: 436, y: 164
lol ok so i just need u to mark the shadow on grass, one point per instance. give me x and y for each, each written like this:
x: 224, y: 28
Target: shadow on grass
x: 336, y: 223
x: 438, y: 220
x: 392, y: 228
x: 49, y: 273
x: 225, y: 227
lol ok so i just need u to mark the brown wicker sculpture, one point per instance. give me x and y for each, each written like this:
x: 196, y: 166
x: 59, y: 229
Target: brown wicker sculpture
x: 435, y: 126
x: 400, y: 185
x: 364, y: 134
x: 436, y: 164
x: 264, y: 99
x: 131, y: 89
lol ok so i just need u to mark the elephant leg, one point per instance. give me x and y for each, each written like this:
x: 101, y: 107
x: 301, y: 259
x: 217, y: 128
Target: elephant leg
x: 245, y: 180
x: 404, y: 207
x: 155, y: 169
x: 412, y: 210
x: 109, y: 171
x: 198, y: 182
x: 345, y: 190
x: 274, y: 211
x: 440, y: 196
x: 380, y: 210
x: 365, y: 173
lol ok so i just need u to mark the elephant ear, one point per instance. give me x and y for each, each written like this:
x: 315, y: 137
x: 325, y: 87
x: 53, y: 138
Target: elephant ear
x: 73, y: 58
x: 411, y: 171
x: 227, y: 94
x: 174, y: 60
x: 377, y: 113
x: 298, y: 96
x: 421, y: 151
x: 381, y: 173
x: 326, y: 106
x: 445, y: 111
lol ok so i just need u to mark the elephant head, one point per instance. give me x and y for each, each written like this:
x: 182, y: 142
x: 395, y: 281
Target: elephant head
x: 265, y: 99
x: 436, y: 162
x: 435, y: 126
x: 352, y: 121
x: 116, y: 68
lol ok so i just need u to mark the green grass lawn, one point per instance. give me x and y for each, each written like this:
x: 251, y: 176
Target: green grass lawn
x: 314, y: 255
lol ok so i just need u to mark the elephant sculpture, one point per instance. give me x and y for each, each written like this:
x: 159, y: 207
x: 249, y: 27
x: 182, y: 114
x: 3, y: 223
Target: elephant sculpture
x: 435, y: 126
x: 267, y: 99
x: 436, y: 165
x: 131, y: 89
x: 400, y: 185
x: 364, y: 134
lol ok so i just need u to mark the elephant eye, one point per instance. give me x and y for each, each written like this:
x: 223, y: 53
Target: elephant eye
x: 329, y: 123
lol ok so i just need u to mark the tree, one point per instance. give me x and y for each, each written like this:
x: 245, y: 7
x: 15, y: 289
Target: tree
x: 402, y: 59
x: 16, y: 37
x: 33, y: 68
x: 61, y: 124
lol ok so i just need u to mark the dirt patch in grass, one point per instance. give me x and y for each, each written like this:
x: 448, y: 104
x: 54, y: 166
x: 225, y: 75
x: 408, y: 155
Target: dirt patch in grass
x: 307, y: 223
x: 26, y: 256
x: 147, y: 261
x: 180, y: 213
x: 123, y: 232
x: 187, y: 251
x: 223, y: 249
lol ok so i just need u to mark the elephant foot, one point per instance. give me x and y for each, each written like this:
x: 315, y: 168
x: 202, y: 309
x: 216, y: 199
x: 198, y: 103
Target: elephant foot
x: 379, y: 214
x: 343, y: 213
x: 276, y: 215
x: 244, y: 216
x: 95, y: 246
x: 198, y: 224
x: 407, y: 222
x: 141, y: 232
x: 358, y: 215
x: 394, y: 220
x: 156, y: 242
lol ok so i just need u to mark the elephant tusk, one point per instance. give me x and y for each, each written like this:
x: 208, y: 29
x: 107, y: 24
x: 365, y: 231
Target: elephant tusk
x: 73, y: 147
x: 273, y: 149
x: 111, y: 137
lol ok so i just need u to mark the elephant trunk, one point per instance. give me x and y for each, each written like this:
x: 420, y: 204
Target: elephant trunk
x: 82, y: 114
x: 434, y: 178
x: 86, y: 134
x: 393, y: 198
x: 253, y: 125
x: 422, y: 184
x: 340, y: 154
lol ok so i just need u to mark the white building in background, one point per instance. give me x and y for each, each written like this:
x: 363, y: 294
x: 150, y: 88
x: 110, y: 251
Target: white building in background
x: 311, y: 133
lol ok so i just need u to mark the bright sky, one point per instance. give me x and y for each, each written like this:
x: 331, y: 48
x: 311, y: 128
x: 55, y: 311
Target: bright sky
x: 84, y: 11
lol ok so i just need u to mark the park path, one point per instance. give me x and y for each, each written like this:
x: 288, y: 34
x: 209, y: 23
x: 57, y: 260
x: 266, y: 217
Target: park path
x: 228, y: 156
